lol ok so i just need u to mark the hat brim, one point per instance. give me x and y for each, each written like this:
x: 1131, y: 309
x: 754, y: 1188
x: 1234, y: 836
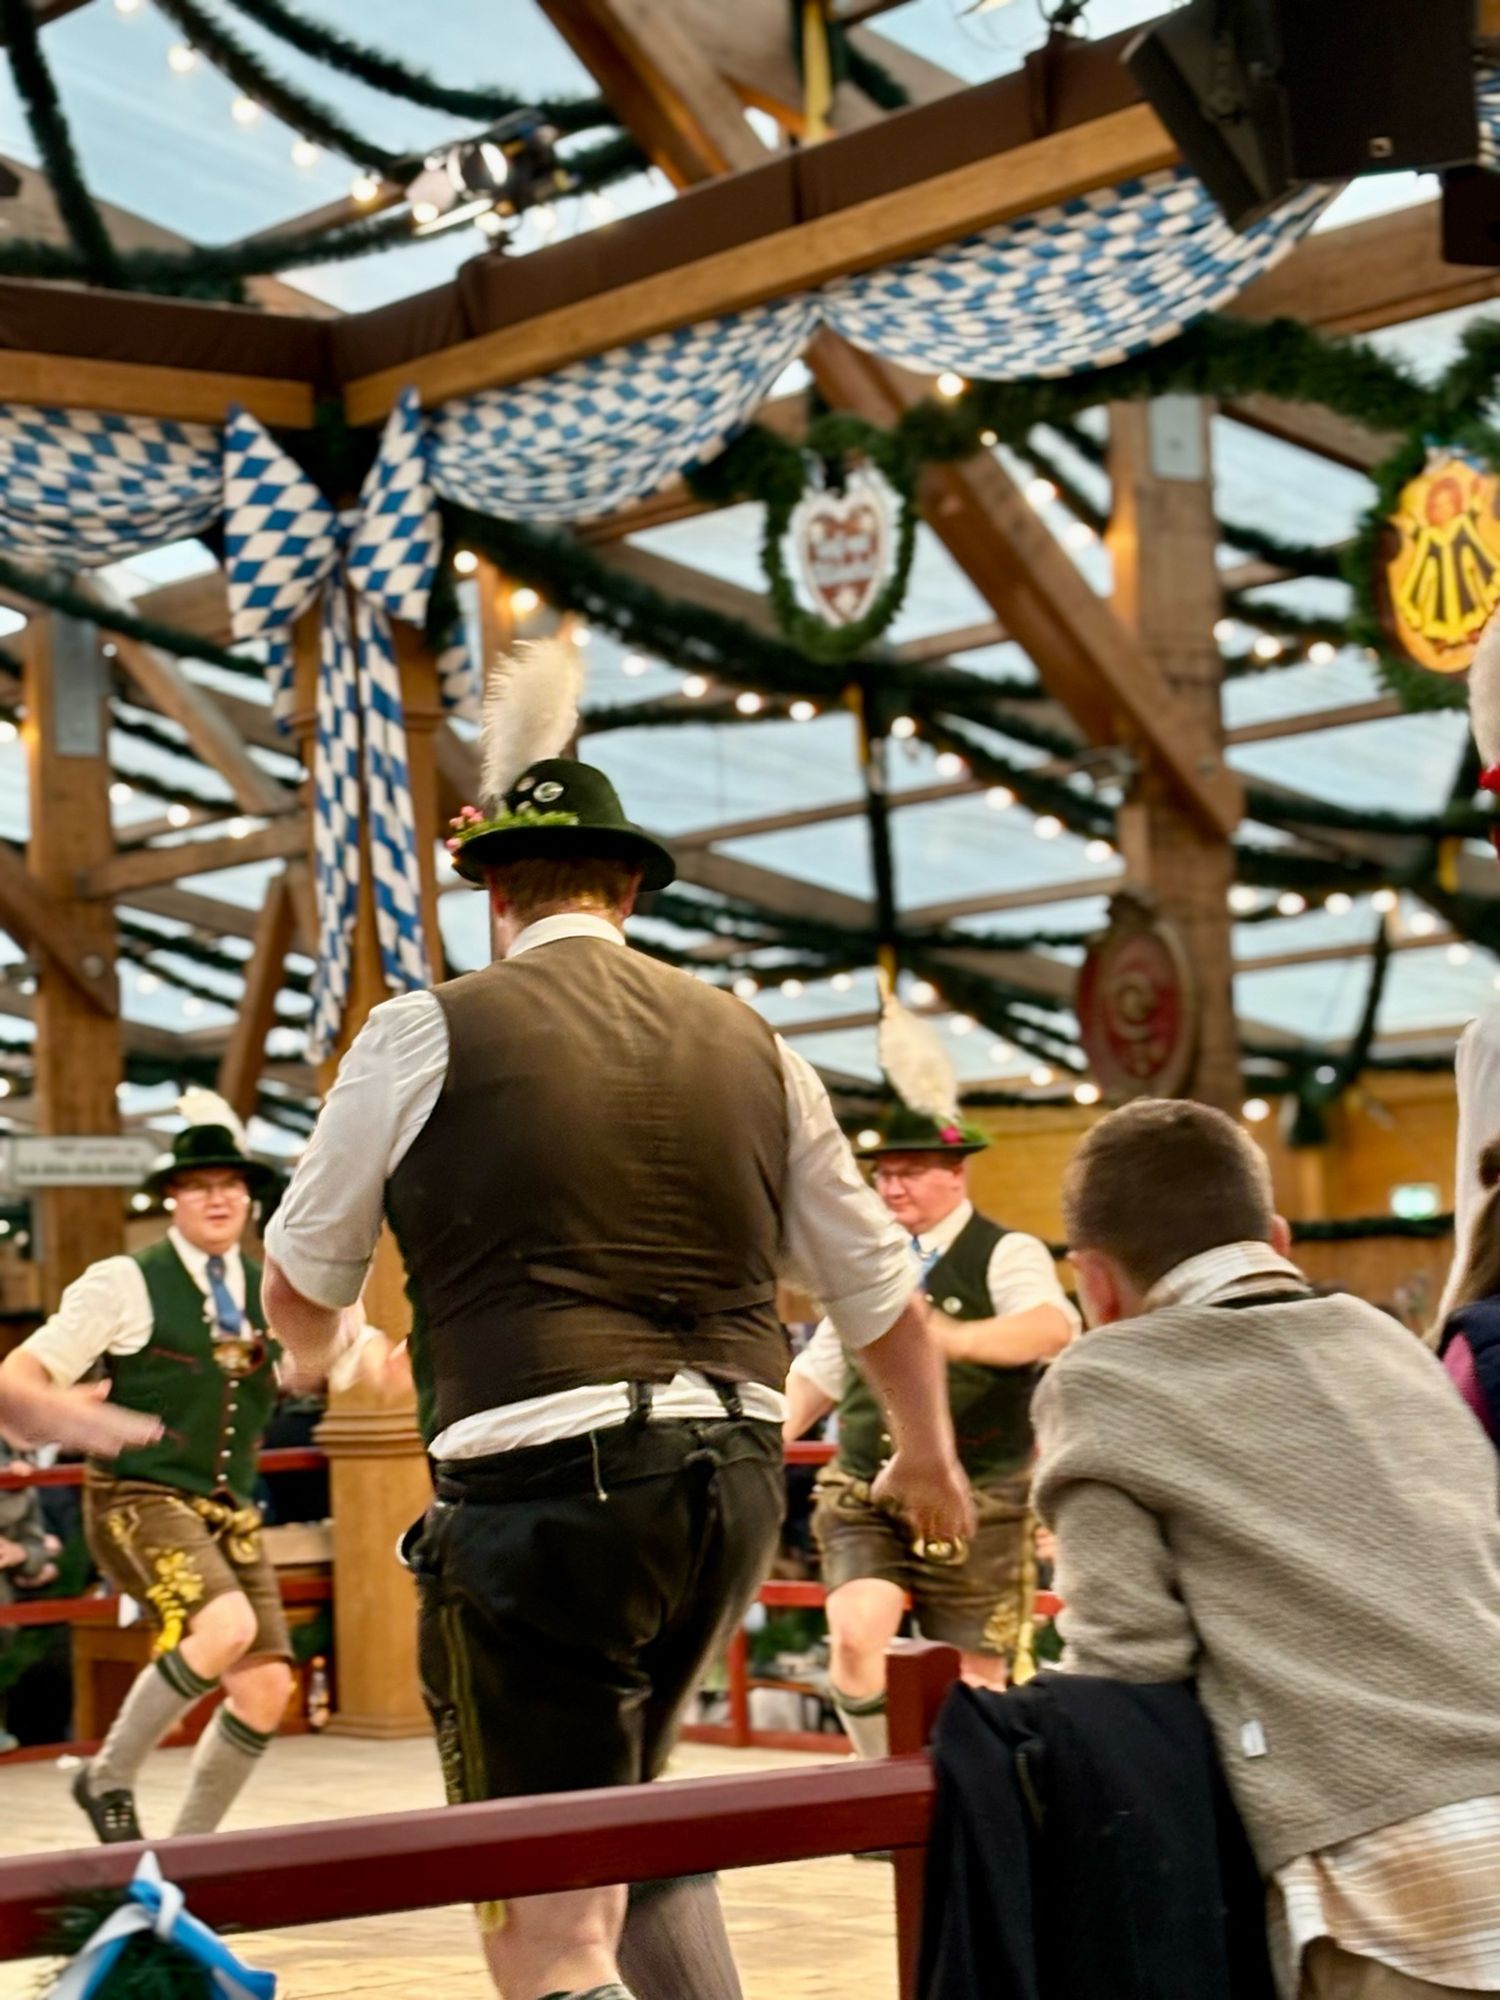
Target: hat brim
x: 540, y: 843
x: 961, y: 1151
x: 257, y: 1178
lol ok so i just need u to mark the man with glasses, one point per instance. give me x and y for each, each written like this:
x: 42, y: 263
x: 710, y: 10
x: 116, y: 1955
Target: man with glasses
x: 178, y: 1328
x: 998, y: 1311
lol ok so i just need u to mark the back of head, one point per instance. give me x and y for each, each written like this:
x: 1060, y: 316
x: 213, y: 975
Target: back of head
x: 1162, y: 1180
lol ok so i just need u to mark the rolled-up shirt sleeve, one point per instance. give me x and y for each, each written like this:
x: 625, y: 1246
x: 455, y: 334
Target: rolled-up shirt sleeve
x: 106, y: 1310
x: 838, y: 1242
x: 325, y: 1231
x: 1022, y: 1275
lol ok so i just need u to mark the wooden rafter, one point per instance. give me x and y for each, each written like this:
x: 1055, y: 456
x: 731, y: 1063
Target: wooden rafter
x: 280, y: 840
x: 29, y: 916
x: 240, y: 1066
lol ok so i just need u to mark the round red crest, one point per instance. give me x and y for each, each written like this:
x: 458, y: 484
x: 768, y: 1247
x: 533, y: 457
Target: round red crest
x: 1137, y: 1006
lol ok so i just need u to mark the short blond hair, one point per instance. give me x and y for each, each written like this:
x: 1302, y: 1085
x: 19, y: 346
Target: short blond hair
x: 1161, y: 1180
x: 542, y: 887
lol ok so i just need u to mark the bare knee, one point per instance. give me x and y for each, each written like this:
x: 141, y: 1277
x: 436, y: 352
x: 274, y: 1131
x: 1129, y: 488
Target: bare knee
x: 863, y: 1618
x: 563, y: 1943
x: 259, y: 1691
x: 219, y: 1635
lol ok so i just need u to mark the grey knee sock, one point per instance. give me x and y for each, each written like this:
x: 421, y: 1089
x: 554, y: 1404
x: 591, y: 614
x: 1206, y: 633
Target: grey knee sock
x: 674, y: 1943
x: 228, y: 1751
x: 863, y: 1717
x: 160, y: 1697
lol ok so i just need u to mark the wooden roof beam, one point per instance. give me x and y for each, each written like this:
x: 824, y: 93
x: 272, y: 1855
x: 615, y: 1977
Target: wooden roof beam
x: 149, y: 867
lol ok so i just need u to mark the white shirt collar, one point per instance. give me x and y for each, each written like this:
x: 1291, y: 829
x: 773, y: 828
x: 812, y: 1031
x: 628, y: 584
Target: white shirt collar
x: 1223, y: 1272
x: 570, y: 923
x: 196, y: 1260
x: 943, y: 1235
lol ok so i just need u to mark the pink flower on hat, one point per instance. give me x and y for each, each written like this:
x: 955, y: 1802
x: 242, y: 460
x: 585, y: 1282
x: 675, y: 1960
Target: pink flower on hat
x: 950, y: 1135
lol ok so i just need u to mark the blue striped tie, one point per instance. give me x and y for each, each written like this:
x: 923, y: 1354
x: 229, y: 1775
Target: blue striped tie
x: 228, y: 1315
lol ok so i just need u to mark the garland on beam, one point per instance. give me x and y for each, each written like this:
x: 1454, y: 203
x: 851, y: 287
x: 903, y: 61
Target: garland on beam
x: 96, y: 254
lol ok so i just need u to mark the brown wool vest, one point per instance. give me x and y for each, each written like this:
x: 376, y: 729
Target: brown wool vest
x: 597, y: 1194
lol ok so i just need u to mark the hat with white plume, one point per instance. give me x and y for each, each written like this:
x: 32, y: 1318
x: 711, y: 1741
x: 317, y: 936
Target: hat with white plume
x: 535, y: 802
x: 920, y: 1071
x: 212, y: 1138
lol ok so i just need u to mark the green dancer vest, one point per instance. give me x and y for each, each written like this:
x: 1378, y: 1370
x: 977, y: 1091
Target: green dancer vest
x: 991, y: 1406
x: 214, y: 1418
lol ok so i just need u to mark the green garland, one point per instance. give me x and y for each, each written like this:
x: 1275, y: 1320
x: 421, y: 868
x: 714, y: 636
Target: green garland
x: 49, y: 128
x: 243, y: 67
x: 397, y: 77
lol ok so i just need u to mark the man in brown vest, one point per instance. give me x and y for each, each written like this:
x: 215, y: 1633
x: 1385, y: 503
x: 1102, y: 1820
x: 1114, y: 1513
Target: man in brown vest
x: 597, y: 1168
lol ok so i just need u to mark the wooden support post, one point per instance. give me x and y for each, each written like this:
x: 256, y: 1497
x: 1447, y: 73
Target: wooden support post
x: 240, y: 1065
x: 919, y: 1678
x: 79, y: 1060
x: 377, y: 1466
x: 1163, y: 537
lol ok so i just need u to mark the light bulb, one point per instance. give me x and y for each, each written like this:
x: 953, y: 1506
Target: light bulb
x: 841, y: 982
x: 364, y: 188
x: 1326, y: 1073
x: 634, y: 665
x: 924, y: 994
x: 127, y: 6
x: 749, y: 703
x: 962, y: 1024
x: 1079, y: 535
x: 989, y: 439
x: 999, y: 798
x: 1384, y: 900
x: 1041, y: 492
x: 523, y: 602
x: 1423, y: 923
x: 793, y: 988
x: 147, y: 982
x: 1338, y: 904
x: 1001, y: 1052
x: 1048, y: 827
x: 1041, y: 1076
x: 581, y: 635
x: 802, y: 711
x: 1099, y: 851
x: 1291, y: 904
x: 695, y: 687
x: 140, y: 1203
x: 1242, y: 898
x: 244, y: 111
x: 866, y: 1139
x: 544, y: 221
x: 178, y: 815
x: 182, y: 58
x: 1267, y: 648
x: 425, y: 211
x: 1086, y: 1093
x: 1459, y: 954
x: 8, y: 730
x: 1224, y: 629
x: 465, y: 562
x: 1320, y: 652
x: 746, y: 987
x: 121, y: 793
x: 1254, y: 1109
x: 238, y: 828
x: 951, y: 765
x: 950, y: 385
x: 903, y: 728
x: 306, y: 153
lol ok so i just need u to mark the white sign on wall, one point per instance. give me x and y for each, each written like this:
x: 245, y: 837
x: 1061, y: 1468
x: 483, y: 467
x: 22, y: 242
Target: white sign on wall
x: 34, y: 1160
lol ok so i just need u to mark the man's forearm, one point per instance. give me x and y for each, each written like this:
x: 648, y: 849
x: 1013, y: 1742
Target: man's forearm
x: 908, y: 1372
x: 806, y: 1402
x: 1009, y: 1341
x: 312, y: 1334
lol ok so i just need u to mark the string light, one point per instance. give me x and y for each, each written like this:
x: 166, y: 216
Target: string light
x: 140, y: 1203
x: 465, y: 562
x: 634, y: 665
x: 749, y: 703
x: 244, y: 111
x: 306, y: 153
x: 999, y: 798
x: 1099, y: 851
x: 1242, y: 899
x: 1048, y: 827
x: 1385, y: 901
x: 1224, y: 630
x: 802, y: 711
x: 582, y: 635
x: 745, y: 987
x: 1086, y: 1093
x: 238, y: 828
x: 951, y: 765
x: 364, y: 188
x: 8, y: 730
x: 121, y: 793
x: 924, y: 994
x: 793, y: 988
x: 989, y: 439
x: 1320, y: 652
x: 1291, y: 904
x: 1041, y: 492
x: 1326, y: 1073
x: 868, y: 1138
x: 523, y: 602
x: 695, y: 687
x: 1338, y: 904
x: 544, y: 221
x: 1255, y: 1109
x: 1423, y: 923
x: 147, y: 982
x: 1041, y: 1076
x: 182, y: 58
x: 950, y: 385
x: 903, y: 728
x: 1267, y: 648
x: 962, y: 1024
x: 841, y: 982
x: 5, y: 1086
x: 1079, y: 535
x: 1459, y: 954
x: 178, y: 815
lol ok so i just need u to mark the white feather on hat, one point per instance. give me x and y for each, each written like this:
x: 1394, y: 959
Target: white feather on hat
x: 206, y: 1107
x: 530, y: 712
x: 917, y: 1066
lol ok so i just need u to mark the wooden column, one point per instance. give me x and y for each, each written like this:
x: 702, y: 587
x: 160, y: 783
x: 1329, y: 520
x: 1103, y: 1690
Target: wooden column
x: 79, y: 1060
x: 1163, y: 540
x: 377, y: 1466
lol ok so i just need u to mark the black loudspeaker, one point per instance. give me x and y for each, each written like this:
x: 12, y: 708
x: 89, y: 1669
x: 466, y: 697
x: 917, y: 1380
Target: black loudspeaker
x: 1471, y: 216
x: 1265, y: 95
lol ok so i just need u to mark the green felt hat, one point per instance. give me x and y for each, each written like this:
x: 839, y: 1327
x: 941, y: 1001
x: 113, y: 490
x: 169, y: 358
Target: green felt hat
x: 203, y: 1147
x: 906, y: 1131
x: 558, y: 810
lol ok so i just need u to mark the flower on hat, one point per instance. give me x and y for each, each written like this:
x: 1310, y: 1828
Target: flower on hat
x: 950, y: 1135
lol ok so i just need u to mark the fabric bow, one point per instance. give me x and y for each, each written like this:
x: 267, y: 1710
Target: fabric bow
x: 285, y: 548
x: 155, y: 1905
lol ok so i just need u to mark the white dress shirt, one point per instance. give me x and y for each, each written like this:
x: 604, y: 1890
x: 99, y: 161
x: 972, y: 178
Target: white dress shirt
x: 1021, y: 1274
x: 107, y: 1310
x: 838, y: 1241
x: 1477, y: 1080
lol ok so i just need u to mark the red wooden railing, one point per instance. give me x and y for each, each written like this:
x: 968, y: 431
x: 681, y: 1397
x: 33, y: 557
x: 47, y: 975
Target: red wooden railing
x: 331, y: 1870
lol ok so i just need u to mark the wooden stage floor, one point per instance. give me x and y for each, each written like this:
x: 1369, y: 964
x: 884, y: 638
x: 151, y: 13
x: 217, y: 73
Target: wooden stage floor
x: 813, y: 1930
